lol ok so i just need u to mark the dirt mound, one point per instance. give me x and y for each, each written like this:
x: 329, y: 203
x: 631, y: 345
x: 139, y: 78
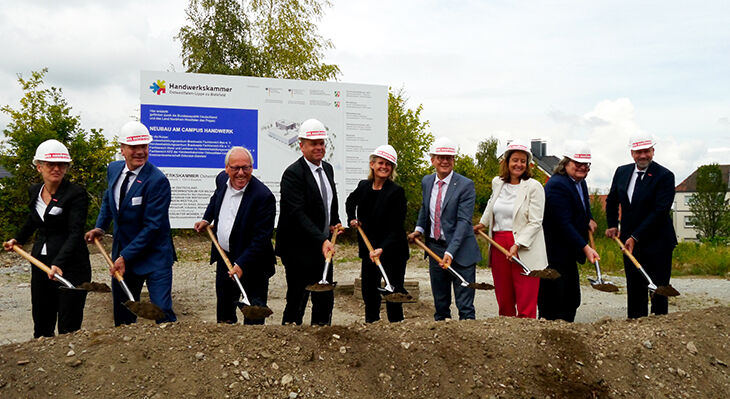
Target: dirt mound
x: 675, y: 356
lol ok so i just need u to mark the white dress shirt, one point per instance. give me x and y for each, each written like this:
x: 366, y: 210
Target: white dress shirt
x: 227, y: 215
x: 118, y: 184
x: 632, y: 182
x: 313, y: 168
x: 40, y: 207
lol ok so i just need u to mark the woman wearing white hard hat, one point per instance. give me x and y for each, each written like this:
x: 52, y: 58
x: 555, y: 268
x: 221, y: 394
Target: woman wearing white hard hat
x: 513, y: 217
x: 378, y: 205
x: 58, y: 213
x: 567, y: 221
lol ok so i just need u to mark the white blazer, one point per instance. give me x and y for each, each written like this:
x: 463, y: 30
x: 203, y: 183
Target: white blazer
x: 526, y: 220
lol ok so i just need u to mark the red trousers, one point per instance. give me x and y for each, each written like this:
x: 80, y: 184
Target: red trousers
x: 516, y: 294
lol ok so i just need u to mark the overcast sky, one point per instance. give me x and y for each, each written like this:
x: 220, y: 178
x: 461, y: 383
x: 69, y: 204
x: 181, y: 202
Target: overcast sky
x: 592, y: 70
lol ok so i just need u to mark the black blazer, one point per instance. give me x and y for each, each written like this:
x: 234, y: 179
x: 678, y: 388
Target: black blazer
x: 648, y: 218
x: 384, y: 225
x: 62, y: 230
x: 250, y: 240
x: 300, y: 232
x: 565, y: 223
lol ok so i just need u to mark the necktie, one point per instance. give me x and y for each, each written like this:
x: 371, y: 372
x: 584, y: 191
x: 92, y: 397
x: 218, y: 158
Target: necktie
x: 323, y: 191
x: 437, y: 215
x: 638, y: 184
x: 123, y: 189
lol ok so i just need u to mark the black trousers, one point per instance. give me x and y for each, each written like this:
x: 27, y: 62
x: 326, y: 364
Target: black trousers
x: 299, y: 274
x: 51, y: 304
x: 659, y: 267
x: 370, y: 283
x: 228, y: 294
x: 559, y: 299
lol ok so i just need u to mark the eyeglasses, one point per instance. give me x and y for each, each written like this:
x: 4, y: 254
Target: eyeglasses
x: 59, y: 165
x: 582, y: 164
x: 235, y: 169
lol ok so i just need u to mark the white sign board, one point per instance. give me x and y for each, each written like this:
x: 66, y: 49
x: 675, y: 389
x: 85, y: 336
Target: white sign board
x: 195, y: 118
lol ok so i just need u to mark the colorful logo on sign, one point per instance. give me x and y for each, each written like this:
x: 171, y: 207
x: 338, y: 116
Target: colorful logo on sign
x: 158, y: 87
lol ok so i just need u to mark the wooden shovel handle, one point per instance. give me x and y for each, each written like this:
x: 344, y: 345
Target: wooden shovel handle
x: 218, y: 247
x: 334, y: 240
x: 109, y: 260
x: 627, y: 253
x: 428, y: 250
x: 590, y: 238
x: 491, y: 241
x: 30, y: 258
x: 367, y: 243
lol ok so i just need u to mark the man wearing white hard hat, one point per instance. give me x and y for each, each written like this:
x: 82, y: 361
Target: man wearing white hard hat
x: 138, y: 199
x: 308, y: 216
x: 645, y: 191
x: 445, y: 218
x: 566, y: 224
x: 378, y: 206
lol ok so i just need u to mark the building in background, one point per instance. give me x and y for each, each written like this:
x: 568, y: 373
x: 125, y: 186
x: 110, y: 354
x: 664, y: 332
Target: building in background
x: 681, y: 213
x: 544, y: 162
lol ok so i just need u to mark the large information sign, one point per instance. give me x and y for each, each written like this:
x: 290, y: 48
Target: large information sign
x: 195, y: 118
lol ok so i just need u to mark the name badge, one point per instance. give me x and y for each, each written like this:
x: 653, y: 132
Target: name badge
x: 55, y: 211
x: 136, y: 201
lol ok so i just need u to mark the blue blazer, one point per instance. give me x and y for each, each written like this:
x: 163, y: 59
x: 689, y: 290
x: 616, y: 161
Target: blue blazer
x: 565, y: 222
x: 142, y: 223
x: 647, y: 218
x: 457, y: 210
x: 250, y: 240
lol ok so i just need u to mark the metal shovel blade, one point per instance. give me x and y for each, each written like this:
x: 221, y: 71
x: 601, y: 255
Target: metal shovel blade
x: 145, y: 310
x: 322, y: 285
x: 399, y: 297
x: 255, y: 312
x: 666, y: 290
x: 481, y: 286
x: 95, y: 287
x: 549, y: 274
x: 605, y: 286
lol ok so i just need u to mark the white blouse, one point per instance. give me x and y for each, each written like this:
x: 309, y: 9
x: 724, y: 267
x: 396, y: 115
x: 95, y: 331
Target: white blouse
x: 40, y: 207
x: 504, y: 207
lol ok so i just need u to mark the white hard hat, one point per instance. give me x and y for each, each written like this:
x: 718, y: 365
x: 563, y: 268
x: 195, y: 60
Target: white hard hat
x: 518, y: 145
x: 134, y: 133
x: 641, y: 141
x: 386, y: 152
x: 443, y: 146
x: 312, y: 129
x: 51, y: 151
x: 577, y: 151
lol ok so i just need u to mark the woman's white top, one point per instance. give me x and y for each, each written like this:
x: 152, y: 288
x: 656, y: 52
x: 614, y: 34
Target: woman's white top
x: 40, y: 207
x: 504, y: 207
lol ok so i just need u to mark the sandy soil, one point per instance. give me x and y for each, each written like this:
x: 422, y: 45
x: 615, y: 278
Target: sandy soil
x: 684, y: 354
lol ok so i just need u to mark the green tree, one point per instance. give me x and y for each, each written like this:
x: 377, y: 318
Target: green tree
x: 710, y: 209
x: 268, y: 38
x: 598, y: 210
x: 44, y: 114
x: 411, y: 140
x: 487, y: 163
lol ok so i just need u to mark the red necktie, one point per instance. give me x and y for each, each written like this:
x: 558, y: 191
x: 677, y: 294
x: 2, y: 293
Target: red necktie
x: 437, y: 216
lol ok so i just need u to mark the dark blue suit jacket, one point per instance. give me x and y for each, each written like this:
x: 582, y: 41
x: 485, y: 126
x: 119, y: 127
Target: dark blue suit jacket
x: 565, y: 222
x: 647, y: 219
x: 142, y: 223
x: 250, y: 240
x: 456, y: 217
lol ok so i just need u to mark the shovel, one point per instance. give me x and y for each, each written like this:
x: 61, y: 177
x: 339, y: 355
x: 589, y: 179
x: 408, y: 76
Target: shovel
x: 249, y: 311
x: 86, y: 286
x: 146, y: 310
x: 67, y: 284
x: 464, y: 283
x: 665, y: 290
x: 389, y: 294
x: 599, y: 283
x: 324, y: 285
x: 549, y: 274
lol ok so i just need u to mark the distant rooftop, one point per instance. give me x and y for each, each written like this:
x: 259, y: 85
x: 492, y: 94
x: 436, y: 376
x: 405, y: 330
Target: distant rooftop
x: 690, y: 183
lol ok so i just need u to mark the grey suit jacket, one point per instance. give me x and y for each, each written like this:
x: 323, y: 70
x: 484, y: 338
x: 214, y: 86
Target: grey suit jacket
x: 457, y: 210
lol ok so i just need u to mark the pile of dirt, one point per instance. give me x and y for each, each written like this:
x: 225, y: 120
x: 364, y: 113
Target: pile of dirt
x: 680, y: 355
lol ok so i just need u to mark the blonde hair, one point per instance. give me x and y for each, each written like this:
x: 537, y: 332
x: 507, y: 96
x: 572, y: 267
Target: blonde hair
x: 371, y: 175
